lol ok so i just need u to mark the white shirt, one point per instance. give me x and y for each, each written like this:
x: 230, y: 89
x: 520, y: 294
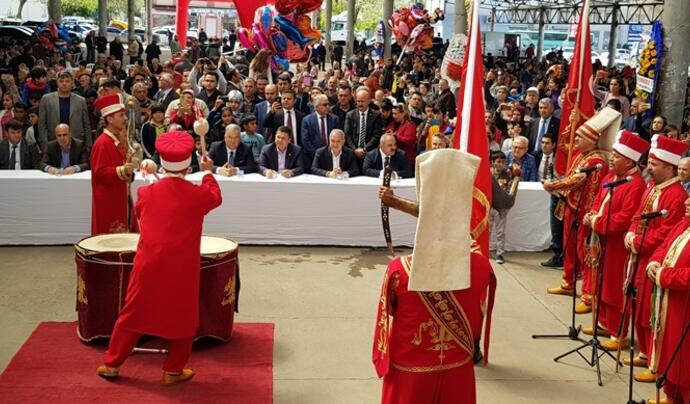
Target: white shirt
x: 282, y: 156
x: 294, y: 122
x: 336, y: 159
x: 18, y: 156
x: 540, y: 170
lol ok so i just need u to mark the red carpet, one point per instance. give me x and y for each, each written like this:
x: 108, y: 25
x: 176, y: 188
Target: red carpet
x: 54, y: 366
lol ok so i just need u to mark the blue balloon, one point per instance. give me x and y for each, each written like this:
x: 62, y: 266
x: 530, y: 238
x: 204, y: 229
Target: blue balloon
x: 290, y: 31
x: 266, y: 19
x: 282, y: 62
x: 279, y: 42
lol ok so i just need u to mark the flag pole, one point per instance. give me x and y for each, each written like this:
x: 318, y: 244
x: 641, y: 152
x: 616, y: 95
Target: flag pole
x: 576, y: 107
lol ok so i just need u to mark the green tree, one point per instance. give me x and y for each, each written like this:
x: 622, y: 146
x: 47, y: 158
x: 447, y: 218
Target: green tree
x: 368, y: 13
x: 83, y: 8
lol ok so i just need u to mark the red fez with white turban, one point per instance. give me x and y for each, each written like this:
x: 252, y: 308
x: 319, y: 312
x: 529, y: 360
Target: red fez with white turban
x: 667, y: 150
x: 630, y: 145
x: 109, y: 104
x: 175, y: 149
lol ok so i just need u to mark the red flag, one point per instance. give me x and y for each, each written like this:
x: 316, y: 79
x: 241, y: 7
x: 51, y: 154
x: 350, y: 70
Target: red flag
x: 470, y: 132
x: 577, y: 95
x: 246, y: 8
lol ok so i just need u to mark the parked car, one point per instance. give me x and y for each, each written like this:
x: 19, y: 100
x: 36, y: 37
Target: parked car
x: 16, y: 32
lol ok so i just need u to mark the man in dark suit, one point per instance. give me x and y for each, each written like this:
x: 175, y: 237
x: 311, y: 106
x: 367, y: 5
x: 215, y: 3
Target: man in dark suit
x: 286, y: 116
x: 64, y: 155
x: 387, y: 154
x: 281, y: 157
x: 335, y: 160
x: 231, y: 155
x: 262, y: 109
x: 316, y: 127
x: 166, y: 91
x: 15, y: 152
x: 363, y: 126
x: 547, y: 123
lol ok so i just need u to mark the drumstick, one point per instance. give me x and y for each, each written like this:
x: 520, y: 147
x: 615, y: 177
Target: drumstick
x: 162, y: 351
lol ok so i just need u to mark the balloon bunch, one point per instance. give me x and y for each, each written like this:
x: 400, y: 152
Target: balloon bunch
x: 411, y: 26
x: 284, y: 29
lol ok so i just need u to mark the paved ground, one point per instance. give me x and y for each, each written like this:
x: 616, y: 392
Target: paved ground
x: 323, y: 302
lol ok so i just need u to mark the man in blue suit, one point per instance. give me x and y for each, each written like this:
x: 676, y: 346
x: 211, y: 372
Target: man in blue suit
x: 335, y: 160
x: 387, y: 154
x: 263, y: 108
x: 316, y: 127
x: 281, y: 157
x: 518, y: 156
x: 231, y: 155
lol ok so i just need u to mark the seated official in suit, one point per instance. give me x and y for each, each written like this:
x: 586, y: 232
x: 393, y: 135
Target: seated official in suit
x: 335, y: 160
x: 387, y: 154
x: 281, y: 157
x: 316, y: 126
x: 65, y: 155
x: 231, y: 155
x: 15, y: 152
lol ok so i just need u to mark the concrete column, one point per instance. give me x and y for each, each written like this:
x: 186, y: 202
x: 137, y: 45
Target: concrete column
x: 329, y: 17
x: 149, y: 21
x: 54, y: 11
x: 387, y: 13
x: 540, y: 42
x: 460, y: 26
x: 102, y: 17
x: 493, y: 19
x: 350, y: 28
x: 613, y: 36
x: 670, y: 98
x: 130, y: 19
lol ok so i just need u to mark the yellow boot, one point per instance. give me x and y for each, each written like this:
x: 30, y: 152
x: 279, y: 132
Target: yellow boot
x: 614, y: 343
x: 601, y: 332
x: 638, y: 361
x: 583, y: 308
x: 174, y: 378
x: 560, y: 291
x: 645, y: 376
x: 661, y: 401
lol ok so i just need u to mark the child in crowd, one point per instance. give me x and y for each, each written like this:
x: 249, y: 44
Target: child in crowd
x: 152, y: 129
x: 250, y: 137
x: 31, y: 134
x: 514, y: 129
x: 498, y: 217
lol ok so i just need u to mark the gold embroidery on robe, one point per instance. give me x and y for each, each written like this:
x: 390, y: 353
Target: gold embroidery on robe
x: 81, y: 291
x: 229, y: 292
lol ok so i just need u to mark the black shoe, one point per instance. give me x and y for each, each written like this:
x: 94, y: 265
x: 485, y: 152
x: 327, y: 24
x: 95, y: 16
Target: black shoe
x: 553, y: 262
x: 477, y: 357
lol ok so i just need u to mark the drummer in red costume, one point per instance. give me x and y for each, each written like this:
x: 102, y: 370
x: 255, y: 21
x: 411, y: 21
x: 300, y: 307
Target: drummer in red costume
x: 163, y: 292
x: 663, y: 192
x: 627, y: 150
x: 669, y: 269
x: 580, y: 190
x: 430, y: 309
x: 111, y: 174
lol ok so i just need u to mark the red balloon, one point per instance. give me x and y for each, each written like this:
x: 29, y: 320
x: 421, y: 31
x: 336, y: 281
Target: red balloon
x: 307, y: 6
x: 286, y: 6
x: 296, y: 54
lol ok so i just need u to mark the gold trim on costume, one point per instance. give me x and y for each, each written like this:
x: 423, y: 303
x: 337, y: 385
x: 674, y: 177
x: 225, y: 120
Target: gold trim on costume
x: 432, y: 368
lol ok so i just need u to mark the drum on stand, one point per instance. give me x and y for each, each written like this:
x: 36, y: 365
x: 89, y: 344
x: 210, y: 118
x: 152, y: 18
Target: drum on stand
x: 104, y: 264
x: 219, y: 287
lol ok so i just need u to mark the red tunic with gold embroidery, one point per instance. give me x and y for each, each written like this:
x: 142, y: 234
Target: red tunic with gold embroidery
x: 163, y: 291
x: 623, y: 205
x: 110, y: 199
x: 580, y: 192
x: 432, y: 335
x: 669, y: 195
x: 674, y: 278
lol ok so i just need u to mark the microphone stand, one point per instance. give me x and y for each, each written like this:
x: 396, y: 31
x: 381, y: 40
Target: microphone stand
x: 661, y: 380
x: 573, y: 332
x: 594, y: 342
x: 631, y: 299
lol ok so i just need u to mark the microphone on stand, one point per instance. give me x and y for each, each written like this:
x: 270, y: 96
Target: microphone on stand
x: 652, y: 215
x: 616, y: 183
x: 588, y: 170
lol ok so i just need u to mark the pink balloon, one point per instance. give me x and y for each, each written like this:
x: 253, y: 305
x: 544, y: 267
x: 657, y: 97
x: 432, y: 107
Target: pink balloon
x: 403, y: 29
x: 261, y: 41
x: 245, y: 38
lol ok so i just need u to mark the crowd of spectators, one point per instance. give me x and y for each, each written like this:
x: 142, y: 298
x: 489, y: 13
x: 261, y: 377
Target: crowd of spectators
x: 350, y: 117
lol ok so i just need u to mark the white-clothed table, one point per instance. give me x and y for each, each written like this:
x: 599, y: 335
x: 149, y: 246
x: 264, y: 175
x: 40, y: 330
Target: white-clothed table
x: 40, y: 209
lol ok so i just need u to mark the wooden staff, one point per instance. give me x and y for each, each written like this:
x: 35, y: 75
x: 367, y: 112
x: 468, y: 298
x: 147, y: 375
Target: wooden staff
x: 201, y: 129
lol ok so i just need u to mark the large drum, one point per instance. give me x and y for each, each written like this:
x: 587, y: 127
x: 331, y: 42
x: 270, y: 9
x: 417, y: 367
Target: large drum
x: 103, y: 266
